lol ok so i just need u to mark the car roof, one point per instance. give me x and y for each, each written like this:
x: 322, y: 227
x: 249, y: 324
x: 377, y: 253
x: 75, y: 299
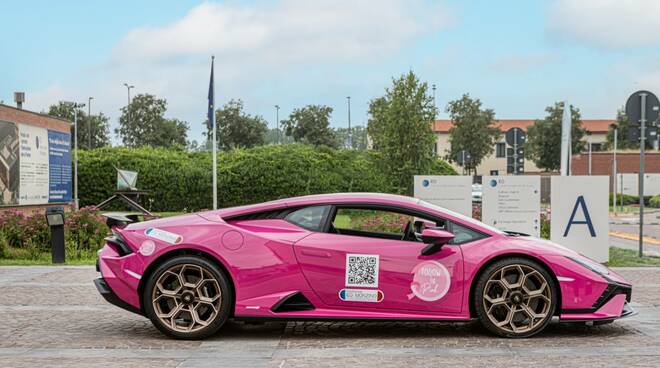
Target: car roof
x: 331, y: 198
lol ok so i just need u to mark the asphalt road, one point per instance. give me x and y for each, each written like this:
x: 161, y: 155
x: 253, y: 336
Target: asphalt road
x: 53, y: 317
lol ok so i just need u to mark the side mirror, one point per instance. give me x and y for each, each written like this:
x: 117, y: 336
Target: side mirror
x: 435, y: 239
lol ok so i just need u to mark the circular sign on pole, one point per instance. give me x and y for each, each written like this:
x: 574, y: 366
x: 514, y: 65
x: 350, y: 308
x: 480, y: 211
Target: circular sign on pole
x: 634, y: 107
x: 515, y: 137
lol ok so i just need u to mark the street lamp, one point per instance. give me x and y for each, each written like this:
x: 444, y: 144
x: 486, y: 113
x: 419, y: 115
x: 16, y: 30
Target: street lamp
x: 589, y: 144
x: 350, y: 132
x: 75, y: 107
x: 89, y: 122
x: 128, y: 112
x: 277, y: 114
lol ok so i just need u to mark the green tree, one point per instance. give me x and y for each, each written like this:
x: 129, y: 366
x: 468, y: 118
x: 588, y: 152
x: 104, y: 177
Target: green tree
x: 359, y: 134
x: 543, y: 144
x: 400, y: 127
x: 142, y: 123
x: 474, y: 130
x: 236, y: 129
x: 311, y: 125
x: 93, y: 131
x: 623, y: 126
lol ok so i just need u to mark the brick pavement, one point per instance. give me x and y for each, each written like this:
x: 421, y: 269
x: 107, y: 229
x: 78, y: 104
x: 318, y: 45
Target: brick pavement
x: 54, y: 317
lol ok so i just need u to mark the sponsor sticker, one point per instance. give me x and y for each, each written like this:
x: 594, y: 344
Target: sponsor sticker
x: 362, y: 270
x: 356, y: 295
x: 431, y: 281
x: 163, y: 235
x: 147, y: 248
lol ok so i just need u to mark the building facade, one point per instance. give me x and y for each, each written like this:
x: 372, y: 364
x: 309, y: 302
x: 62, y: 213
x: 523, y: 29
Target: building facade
x: 496, y: 163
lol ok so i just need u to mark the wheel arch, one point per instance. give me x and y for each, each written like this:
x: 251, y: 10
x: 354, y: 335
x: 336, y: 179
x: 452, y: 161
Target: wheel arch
x: 186, y: 252
x: 542, y: 263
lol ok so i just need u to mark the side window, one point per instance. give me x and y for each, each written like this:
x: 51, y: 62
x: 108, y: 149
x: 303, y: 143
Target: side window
x: 372, y: 221
x: 310, y: 218
x: 463, y: 234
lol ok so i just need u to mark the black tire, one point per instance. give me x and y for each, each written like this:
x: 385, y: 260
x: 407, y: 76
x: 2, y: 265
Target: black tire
x: 491, y: 274
x: 214, y: 324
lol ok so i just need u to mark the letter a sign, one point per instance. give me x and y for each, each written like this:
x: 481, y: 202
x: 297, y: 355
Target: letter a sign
x: 579, y: 214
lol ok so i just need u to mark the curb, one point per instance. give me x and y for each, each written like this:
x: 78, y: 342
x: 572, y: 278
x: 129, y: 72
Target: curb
x: 629, y: 236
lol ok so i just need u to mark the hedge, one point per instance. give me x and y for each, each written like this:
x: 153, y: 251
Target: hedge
x: 655, y: 201
x: 181, y: 181
x: 631, y: 199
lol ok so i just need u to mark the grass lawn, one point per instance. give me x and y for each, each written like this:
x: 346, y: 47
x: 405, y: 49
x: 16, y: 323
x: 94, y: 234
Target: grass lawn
x: 46, y: 262
x: 620, y: 257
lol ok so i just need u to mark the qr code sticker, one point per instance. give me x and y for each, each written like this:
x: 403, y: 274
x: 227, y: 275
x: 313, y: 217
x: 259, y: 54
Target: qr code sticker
x: 362, y: 270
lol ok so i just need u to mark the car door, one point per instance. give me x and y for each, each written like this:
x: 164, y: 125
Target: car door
x: 362, y: 261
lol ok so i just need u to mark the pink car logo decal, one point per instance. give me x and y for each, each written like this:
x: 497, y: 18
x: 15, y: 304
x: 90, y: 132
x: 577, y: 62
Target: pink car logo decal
x: 431, y: 281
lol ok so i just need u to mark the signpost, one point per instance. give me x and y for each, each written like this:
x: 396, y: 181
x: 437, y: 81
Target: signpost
x: 463, y: 158
x: 642, y: 107
x: 580, y: 216
x: 449, y: 191
x: 515, y: 137
x: 512, y: 203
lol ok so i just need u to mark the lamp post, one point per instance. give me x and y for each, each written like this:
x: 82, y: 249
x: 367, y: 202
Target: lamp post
x: 277, y: 117
x: 616, y: 133
x: 75, y: 107
x: 89, y: 122
x: 589, y: 144
x: 433, y: 89
x: 128, y: 112
x: 350, y: 133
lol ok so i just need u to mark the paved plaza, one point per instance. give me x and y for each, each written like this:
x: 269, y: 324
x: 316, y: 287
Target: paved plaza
x: 53, y: 316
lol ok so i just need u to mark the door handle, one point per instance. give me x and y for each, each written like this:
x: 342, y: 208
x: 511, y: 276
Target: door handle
x: 316, y: 253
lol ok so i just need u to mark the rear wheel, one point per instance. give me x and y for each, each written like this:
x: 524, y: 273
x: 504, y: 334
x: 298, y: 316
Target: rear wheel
x: 515, y: 297
x: 187, y: 297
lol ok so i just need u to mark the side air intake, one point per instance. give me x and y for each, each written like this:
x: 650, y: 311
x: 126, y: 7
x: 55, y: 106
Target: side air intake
x: 292, y: 303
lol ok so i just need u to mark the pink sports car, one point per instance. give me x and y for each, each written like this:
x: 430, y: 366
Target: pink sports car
x: 352, y: 256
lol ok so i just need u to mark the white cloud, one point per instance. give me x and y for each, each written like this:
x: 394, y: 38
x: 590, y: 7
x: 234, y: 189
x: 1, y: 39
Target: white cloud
x: 287, y: 31
x: 255, y: 44
x: 521, y: 63
x: 606, y: 23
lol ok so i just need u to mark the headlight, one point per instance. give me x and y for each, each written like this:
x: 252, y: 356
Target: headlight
x: 594, y: 266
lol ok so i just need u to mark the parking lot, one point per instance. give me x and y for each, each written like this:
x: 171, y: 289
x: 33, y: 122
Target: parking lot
x: 53, y: 316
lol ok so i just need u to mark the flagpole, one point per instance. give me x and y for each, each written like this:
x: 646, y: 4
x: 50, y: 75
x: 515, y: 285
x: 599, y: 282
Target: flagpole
x: 215, y: 145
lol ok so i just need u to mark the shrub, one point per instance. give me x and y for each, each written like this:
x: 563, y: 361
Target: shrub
x: 28, y: 236
x: 181, y: 181
x: 655, y: 201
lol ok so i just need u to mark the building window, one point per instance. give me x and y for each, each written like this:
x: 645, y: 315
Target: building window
x: 494, y: 172
x: 500, y: 149
x: 595, y: 147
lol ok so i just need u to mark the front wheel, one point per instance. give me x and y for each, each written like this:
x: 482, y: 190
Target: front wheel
x: 187, y: 297
x: 515, y: 297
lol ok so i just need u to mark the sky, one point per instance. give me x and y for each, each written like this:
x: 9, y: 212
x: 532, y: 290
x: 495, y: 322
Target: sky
x: 517, y: 57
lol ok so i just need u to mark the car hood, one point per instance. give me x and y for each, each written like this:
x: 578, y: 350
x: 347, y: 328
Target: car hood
x: 541, y: 246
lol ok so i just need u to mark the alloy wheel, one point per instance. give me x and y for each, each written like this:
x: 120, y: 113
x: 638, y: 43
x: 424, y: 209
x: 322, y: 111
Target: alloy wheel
x: 186, y: 298
x: 517, y: 298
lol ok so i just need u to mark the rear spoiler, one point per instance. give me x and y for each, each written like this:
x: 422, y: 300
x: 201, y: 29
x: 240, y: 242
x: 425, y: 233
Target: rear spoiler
x: 120, y: 219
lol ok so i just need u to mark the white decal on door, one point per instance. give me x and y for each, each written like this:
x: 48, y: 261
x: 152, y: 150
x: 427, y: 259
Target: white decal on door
x: 362, y: 270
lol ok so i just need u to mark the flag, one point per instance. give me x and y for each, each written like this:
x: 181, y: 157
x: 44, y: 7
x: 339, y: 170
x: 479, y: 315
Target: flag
x: 214, y: 145
x: 211, y: 98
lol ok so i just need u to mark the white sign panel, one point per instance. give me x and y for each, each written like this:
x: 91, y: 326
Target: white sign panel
x: 33, y: 148
x: 628, y: 184
x: 512, y: 203
x: 580, y: 212
x: 449, y: 191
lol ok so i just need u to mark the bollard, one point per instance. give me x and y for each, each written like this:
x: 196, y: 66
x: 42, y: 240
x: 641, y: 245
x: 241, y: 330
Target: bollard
x: 55, y: 220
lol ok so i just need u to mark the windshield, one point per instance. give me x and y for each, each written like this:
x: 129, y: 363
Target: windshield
x: 463, y: 218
